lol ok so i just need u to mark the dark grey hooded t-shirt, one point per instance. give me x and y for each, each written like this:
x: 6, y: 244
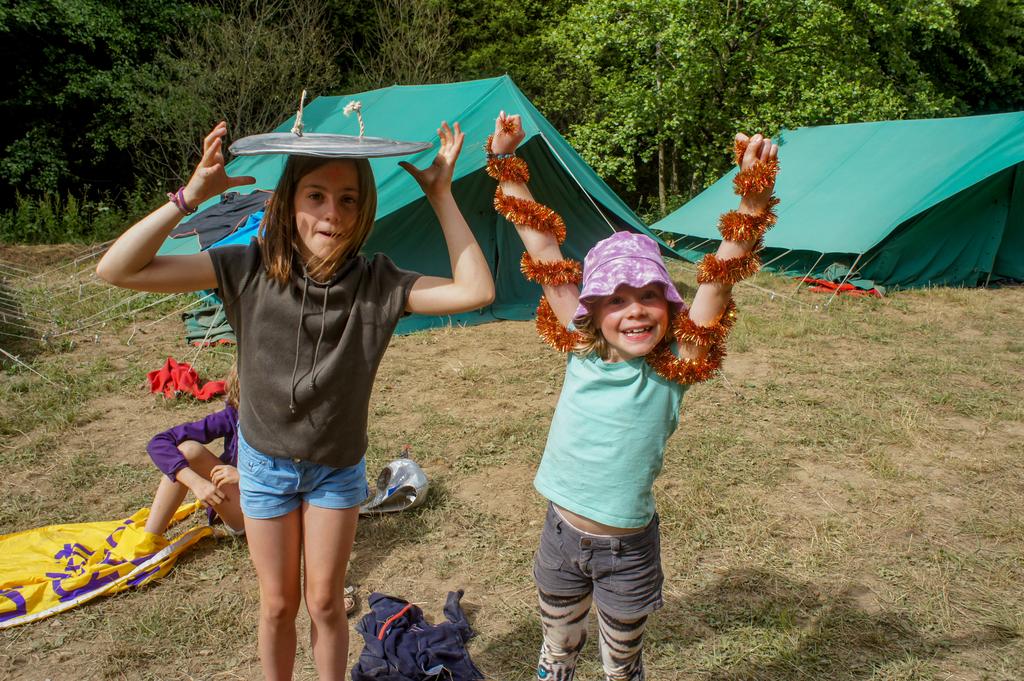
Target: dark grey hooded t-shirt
x: 308, y: 352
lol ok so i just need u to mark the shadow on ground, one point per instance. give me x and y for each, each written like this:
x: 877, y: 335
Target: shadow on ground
x: 755, y: 625
x: 379, y: 535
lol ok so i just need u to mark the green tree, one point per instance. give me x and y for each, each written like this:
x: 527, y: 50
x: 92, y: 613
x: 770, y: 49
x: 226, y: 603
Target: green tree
x: 246, y: 63
x: 405, y: 42
x: 69, y: 69
x: 496, y: 37
x: 656, y: 90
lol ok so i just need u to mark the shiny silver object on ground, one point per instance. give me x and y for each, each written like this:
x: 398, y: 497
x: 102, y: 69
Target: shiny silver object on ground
x: 401, y: 485
x: 324, y: 145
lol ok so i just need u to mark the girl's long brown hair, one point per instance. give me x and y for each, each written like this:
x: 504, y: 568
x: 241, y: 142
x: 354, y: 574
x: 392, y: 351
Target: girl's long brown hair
x: 278, y: 233
x: 231, y: 386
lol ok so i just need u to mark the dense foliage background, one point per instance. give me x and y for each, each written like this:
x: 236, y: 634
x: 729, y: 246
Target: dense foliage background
x: 105, y: 101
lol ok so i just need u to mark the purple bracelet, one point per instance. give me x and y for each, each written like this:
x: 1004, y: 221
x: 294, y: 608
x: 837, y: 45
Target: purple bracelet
x: 178, y: 199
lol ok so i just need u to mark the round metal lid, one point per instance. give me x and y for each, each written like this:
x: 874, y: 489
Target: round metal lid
x: 324, y: 145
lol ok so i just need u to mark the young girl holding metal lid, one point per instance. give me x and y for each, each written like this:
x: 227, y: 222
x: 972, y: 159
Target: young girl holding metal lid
x: 313, y: 318
x: 635, y: 349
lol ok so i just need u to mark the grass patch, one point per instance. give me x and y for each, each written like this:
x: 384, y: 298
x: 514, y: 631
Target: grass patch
x: 842, y: 503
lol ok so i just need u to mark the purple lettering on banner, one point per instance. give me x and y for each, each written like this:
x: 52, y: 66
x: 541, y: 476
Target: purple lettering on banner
x: 112, y: 539
x: 71, y: 552
x: 20, y: 606
x: 109, y: 559
x: 95, y: 582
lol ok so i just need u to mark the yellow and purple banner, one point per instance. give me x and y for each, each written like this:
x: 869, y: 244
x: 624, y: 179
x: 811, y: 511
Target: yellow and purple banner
x: 51, y: 569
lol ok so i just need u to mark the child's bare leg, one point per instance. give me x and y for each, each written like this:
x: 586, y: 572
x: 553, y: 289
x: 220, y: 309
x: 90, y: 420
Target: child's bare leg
x: 327, y: 543
x: 274, y: 546
x: 622, y: 646
x: 166, y: 501
x: 202, y: 461
x: 169, y: 495
x: 563, y: 620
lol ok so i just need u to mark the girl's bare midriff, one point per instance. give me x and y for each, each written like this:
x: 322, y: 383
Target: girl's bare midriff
x: 592, y: 526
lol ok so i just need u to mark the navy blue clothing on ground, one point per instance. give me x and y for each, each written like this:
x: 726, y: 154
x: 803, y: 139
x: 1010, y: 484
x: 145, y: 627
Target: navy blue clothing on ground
x: 400, y: 645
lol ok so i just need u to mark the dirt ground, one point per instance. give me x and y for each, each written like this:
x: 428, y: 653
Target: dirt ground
x: 845, y: 502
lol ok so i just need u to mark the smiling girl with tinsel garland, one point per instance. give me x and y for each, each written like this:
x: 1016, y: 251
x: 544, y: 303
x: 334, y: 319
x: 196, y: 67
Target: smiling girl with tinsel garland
x: 635, y: 347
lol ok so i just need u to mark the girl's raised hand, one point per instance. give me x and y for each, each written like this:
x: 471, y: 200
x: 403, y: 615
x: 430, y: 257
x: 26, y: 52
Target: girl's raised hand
x: 758, y: 149
x: 508, y: 133
x: 210, y: 178
x: 437, y: 177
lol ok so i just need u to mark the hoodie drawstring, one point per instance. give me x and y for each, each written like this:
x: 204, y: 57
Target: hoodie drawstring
x: 298, y: 337
x: 316, y: 348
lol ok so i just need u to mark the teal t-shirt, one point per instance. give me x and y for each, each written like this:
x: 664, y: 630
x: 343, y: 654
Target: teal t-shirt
x: 607, y: 440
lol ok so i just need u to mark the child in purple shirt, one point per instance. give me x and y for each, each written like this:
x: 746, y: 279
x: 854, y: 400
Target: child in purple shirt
x: 187, y: 464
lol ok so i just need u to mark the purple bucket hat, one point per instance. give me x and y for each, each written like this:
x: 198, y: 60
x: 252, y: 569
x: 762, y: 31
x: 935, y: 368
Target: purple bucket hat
x: 624, y: 258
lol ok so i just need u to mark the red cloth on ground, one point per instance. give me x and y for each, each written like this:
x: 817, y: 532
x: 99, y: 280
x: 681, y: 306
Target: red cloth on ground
x: 825, y: 286
x: 179, y: 377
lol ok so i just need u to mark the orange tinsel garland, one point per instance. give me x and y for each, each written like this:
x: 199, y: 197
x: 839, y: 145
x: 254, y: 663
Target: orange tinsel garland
x: 757, y: 178
x: 737, y: 226
x: 710, y: 339
x: 553, y: 273
x: 507, y: 168
x: 511, y: 169
x: 551, y: 330
x: 714, y: 270
x: 686, y: 331
x: 685, y: 371
x: 529, y: 214
x: 738, y: 149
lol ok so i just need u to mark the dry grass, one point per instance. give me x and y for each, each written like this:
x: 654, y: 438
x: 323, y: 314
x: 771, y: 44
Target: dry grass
x: 844, y: 503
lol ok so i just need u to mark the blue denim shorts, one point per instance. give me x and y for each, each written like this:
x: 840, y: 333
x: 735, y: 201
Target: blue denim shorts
x: 273, y: 486
x: 623, y: 573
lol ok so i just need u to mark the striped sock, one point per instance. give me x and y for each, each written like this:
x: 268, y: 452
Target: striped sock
x: 622, y: 647
x: 563, y: 621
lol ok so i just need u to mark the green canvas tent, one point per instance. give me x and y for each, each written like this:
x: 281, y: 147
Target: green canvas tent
x: 896, y: 203
x: 406, y: 228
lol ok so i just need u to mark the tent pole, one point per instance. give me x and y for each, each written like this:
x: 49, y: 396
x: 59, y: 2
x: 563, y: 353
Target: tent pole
x: 15, y: 272
x: 867, y: 262
x: 96, y: 250
x: 801, y: 280
x: 848, y: 274
x: 18, y: 335
x: 202, y: 344
x: 15, y: 359
x: 776, y: 258
x: 13, y: 309
x: 746, y: 282
x: 110, y: 319
x: 178, y: 311
x: 123, y: 301
x: 4, y: 321
x: 772, y: 294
